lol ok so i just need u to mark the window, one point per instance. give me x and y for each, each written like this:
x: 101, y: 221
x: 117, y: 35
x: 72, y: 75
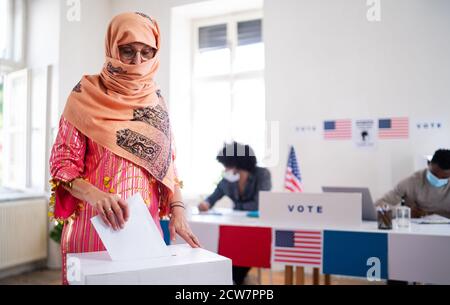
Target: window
x: 11, y: 58
x: 11, y: 32
x: 14, y: 151
x: 25, y: 132
x: 23, y: 106
x: 228, y: 93
x: 1, y: 126
x: 5, y: 23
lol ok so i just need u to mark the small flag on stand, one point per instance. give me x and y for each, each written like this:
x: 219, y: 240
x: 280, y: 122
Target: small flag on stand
x: 293, y: 179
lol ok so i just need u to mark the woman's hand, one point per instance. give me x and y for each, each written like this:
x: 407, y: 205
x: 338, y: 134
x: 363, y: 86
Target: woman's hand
x: 112, y: 209
x: 178, y: 224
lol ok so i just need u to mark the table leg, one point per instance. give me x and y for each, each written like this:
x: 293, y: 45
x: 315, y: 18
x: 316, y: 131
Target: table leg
x: 316, y: 276
x: 288, y: 275
x: 259, y: 276
x: 327, y: 279
x: 300, y: 276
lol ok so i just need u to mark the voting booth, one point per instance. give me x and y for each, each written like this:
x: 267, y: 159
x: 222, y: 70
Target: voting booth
x: 296, y: 209
x: 137, y: 254
x: 325, y: 232
x: 297, y: 220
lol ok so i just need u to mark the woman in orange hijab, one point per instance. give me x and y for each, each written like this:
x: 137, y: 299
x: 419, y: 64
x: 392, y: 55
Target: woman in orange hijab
x: 114, y: 141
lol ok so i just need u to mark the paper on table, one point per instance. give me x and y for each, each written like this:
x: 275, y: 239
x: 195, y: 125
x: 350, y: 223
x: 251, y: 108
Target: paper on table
x: 432, y: 219
x: 139, y: 239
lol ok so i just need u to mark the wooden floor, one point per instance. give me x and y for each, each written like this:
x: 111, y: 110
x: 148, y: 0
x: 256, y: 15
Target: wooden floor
x: 42, y: 277
x: 278, y: 279
x: 53, y: 277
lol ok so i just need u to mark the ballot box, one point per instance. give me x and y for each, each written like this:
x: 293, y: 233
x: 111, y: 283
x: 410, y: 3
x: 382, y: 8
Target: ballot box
x: 185, y: 266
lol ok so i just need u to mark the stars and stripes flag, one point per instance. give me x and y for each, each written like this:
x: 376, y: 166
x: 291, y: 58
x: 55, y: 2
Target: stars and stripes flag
x: 293, y: 179
x: 337, y: 130
x: 300, y: 248
x: 394, y: 128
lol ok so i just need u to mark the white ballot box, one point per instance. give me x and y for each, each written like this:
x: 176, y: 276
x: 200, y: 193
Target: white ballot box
x: 185, y: 266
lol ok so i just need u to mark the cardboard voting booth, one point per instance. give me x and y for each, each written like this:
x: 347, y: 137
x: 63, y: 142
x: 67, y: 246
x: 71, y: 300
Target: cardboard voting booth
x: 185, y: 266
x: 292, y: 209
x: 137, y: 254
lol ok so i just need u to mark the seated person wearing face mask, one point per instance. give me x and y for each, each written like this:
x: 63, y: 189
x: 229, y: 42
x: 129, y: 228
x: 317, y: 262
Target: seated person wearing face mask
x: 242, y: 180
x: 426, y: 191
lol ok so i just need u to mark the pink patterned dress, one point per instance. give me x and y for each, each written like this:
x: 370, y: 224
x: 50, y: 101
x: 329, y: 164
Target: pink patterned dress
x: 76, y: 156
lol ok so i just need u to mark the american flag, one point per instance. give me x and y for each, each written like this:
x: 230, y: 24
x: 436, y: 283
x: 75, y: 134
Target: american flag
x: 293, y: 179
x: 302, y: 248
x: 337, y: 130
x: 395, y: 128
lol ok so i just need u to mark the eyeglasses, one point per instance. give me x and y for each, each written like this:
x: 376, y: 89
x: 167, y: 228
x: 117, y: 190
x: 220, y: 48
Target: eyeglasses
x: 129, y: 53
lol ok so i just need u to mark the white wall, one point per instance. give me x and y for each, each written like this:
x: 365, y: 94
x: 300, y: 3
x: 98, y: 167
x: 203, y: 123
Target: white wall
x: 42, y: 33
x: 75, y: 48
x: 43, y: 44
x: 82, y: 44
x: 326, y: 61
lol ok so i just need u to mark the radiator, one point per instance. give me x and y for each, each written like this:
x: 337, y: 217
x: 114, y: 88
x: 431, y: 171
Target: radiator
x: 23, y: 232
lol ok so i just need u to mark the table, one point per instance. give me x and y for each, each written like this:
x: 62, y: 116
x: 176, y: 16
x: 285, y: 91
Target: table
x: 419, y: 254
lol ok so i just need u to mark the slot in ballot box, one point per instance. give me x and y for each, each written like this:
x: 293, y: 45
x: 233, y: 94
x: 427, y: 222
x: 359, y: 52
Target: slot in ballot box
x: 185, y: 266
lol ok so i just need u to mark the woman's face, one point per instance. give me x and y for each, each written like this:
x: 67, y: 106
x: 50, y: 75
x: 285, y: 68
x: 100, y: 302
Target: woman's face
x: 136, y: 53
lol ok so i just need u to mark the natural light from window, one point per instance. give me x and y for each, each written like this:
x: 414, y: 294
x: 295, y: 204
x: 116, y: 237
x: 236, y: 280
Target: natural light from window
x: 228, y: 93
x: 1, y: 129
x: 14, y: 91
x: 4, y: 22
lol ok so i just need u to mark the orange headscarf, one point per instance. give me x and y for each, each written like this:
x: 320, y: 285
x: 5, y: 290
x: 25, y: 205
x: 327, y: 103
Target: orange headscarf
x: 122, y: 108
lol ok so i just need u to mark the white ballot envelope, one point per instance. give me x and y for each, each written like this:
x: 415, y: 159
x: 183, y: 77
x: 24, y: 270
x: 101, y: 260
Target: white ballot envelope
x: 139, y: 239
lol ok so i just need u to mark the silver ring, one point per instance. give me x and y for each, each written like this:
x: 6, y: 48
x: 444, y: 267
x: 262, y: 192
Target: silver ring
x: 109, y: 210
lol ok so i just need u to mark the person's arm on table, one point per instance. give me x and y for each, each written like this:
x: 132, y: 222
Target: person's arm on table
x: 178, y: 222
x: 212, y: 199
x: 418, y: 213
x: 394, y: 197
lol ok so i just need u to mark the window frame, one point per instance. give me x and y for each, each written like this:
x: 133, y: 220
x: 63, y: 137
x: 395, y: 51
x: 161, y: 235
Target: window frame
x: 231, y: 20
x: 9, y: 131
x: 17, y: 39
x: 29, y: 127
x: 13, y: 67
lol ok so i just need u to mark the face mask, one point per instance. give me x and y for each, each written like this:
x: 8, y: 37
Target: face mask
x: 231, y: 177
x: 435, y: 181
